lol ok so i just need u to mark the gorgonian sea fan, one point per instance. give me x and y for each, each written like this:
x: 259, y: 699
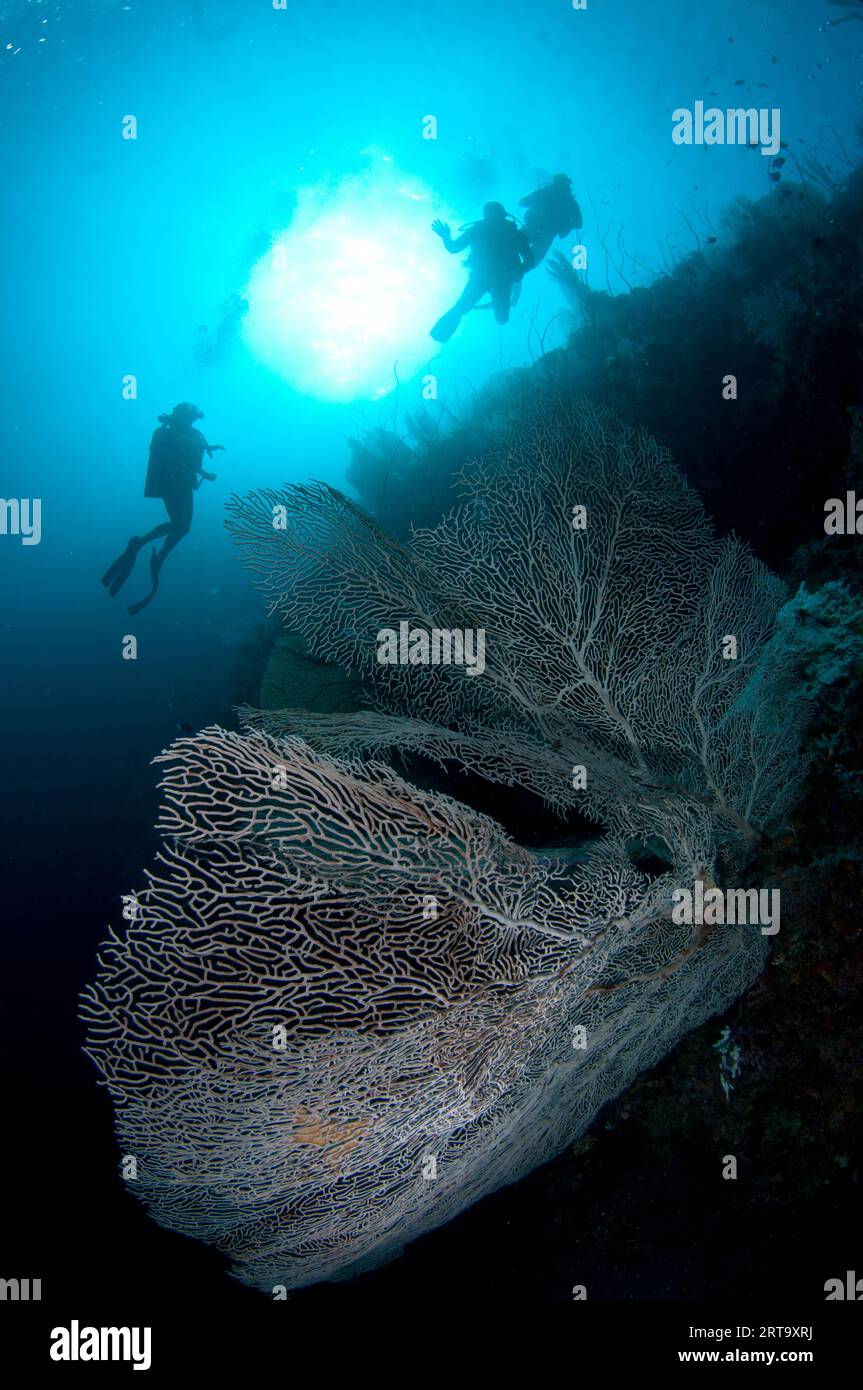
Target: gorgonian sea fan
x: 347, y: 1008
x: 604, y: 646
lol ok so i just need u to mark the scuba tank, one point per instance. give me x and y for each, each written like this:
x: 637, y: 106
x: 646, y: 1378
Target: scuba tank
x: 174, y: 460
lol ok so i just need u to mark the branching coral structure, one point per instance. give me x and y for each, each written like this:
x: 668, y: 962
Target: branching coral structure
x: 344, y: 1008
x: 606, y: 602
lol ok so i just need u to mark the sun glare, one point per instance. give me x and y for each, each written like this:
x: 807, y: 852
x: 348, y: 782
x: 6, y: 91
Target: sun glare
x: 348, y: 292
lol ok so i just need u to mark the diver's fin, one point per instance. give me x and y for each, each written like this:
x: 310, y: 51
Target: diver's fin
x: 445, y: 327
x: 155, y: 566
x: 116, y: 575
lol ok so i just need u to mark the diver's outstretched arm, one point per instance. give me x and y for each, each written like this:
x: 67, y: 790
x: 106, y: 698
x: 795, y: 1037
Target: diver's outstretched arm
x: 442, y: 230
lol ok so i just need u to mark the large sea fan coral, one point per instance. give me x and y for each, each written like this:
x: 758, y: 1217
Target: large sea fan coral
x: 345, y: 1008
x: 604, y: 645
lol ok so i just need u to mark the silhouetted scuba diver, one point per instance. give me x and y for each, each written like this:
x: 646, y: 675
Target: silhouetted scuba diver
x: 174, y: 473
x: 551, y: 212
x: 499, y: 256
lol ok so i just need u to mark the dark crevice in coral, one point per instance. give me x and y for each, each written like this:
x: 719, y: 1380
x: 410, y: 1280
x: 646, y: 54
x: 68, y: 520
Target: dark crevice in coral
x: 521, y: 814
